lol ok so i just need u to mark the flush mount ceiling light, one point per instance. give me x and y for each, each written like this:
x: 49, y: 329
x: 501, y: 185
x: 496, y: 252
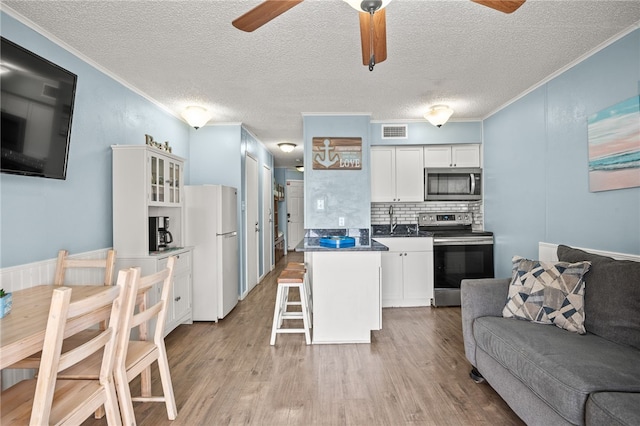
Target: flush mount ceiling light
x: 438, y: 115
x: 196, y: 116
x: 300, y: 169
x: 286, y: 146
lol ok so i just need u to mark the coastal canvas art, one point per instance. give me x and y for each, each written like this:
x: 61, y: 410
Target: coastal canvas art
x: 614, y: 146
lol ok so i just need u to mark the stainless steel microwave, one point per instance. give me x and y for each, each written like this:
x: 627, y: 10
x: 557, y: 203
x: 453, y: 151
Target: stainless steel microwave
x: 452, y: 184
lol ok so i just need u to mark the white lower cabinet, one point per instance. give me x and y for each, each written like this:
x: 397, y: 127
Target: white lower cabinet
x: 179, y: 309
x: 407, y: 271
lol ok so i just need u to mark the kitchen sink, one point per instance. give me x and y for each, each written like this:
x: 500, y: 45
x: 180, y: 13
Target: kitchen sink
x: 399, y: 231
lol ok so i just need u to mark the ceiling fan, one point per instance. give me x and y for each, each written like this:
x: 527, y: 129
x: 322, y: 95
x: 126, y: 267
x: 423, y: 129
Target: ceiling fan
x: 373, y: 24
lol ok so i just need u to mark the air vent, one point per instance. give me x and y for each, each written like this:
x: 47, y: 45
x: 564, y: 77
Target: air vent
x: 50, y: 91
x: 397, y: 131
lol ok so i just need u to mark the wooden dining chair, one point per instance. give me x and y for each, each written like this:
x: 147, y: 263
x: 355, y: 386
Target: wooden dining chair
x: 64, y: 263
x: 52, y: 400
x: 135, y: 357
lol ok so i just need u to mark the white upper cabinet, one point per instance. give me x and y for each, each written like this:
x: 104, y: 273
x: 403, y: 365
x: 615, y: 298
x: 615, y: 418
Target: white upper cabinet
x: 383, y: 173
x: 146, y: 182
x: 464, y: 155
x: 409, y: 174
x: 397, y: 174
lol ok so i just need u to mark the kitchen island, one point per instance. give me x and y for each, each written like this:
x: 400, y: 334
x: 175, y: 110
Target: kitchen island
x: 346, y: 290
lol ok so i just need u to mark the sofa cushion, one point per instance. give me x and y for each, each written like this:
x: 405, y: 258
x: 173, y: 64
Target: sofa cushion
x: 562, y: 368
x: 547, y: 293
x: 613, y: 409
x: 612, y: 296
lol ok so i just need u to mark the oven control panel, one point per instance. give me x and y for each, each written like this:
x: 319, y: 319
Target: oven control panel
x: 445, y: 219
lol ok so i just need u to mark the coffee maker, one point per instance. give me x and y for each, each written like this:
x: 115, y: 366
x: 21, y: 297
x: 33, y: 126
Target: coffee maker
x: 159, y: 235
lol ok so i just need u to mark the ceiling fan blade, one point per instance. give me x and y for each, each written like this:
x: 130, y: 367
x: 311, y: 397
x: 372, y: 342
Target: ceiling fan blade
x: 379, y: 36
x: 263, y: 13
x: 506, y: 6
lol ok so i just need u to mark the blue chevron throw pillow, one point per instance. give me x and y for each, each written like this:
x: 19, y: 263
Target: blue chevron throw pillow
x: 547, y: 293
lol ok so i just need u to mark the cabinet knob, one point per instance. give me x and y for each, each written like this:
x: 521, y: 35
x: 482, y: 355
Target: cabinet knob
x: 177, y: 299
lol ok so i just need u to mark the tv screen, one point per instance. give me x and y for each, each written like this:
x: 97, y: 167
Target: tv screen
x: 37, y: 106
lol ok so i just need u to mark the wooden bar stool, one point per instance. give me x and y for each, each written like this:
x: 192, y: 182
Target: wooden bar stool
x: 289, y: 279
x: 300, y: 266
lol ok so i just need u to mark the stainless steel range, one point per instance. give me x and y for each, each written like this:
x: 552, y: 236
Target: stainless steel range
x: 459, y: 252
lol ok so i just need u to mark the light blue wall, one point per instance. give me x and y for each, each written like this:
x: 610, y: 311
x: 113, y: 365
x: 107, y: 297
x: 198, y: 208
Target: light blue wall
x: 424, y: 133
x: 40, y: 216
x: 346, y: 193
x: 217, y: 156
x: 535, y: 159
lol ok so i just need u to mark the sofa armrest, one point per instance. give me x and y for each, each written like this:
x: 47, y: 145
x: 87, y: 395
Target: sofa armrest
x: 480, y: 298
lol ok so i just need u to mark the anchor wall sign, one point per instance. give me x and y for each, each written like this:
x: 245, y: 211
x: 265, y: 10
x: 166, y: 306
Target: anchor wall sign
x: 337, y: 153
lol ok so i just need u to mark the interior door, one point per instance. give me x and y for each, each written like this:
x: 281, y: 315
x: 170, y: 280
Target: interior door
x: 267, y: 221
x: 253, y: 224
x: 295, y: 213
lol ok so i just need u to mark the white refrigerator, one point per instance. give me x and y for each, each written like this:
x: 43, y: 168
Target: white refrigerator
x: 212, y: 229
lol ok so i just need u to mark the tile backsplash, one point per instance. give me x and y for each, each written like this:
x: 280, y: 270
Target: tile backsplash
x: 407, y: 213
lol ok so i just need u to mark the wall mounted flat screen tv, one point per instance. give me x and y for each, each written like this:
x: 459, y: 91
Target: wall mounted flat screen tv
x: 37, y: 107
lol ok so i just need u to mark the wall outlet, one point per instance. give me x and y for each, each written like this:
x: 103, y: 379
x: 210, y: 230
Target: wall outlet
x: 320, y: 204
x: 341, y: 221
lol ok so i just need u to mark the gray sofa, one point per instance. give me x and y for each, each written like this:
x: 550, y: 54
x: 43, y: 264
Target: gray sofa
x: 551, y: 376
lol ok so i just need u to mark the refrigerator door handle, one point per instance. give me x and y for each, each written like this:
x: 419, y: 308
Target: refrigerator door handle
x: 228, y: 234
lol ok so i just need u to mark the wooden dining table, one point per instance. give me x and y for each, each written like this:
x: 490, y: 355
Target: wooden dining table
x: 22, y: 330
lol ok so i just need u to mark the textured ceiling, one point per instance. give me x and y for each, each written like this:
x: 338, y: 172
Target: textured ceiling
x: 308, y: 60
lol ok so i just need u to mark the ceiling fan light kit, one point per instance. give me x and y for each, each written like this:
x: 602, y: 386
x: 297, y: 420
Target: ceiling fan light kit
x: 286, y: 146
x: 438, y: 115
x: 367, y: 5
x: 196, y: 116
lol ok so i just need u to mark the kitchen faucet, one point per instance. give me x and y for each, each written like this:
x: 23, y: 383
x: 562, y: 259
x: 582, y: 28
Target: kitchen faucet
x: 392, y: 225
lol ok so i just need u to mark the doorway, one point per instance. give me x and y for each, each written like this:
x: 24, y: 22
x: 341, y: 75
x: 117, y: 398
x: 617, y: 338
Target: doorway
x: 295, y: 213
x: 253, y: 224
x: 267, y: 221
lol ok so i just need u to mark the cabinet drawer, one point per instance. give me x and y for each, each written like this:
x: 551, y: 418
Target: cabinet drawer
x: 183, y: 262
x: 407, y: 243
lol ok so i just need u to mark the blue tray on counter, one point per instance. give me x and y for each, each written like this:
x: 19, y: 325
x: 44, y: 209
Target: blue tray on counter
x: 337, y: 242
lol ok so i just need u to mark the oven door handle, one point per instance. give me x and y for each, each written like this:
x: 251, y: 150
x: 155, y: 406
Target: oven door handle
x: 473, y: 184
x: 462, y: 241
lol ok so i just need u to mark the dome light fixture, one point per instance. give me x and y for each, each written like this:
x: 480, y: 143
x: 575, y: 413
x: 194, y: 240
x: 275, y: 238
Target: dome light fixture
x: 300, y: 169
x: 286, y: 146
x: 438, y: 115
x: 196, y: 116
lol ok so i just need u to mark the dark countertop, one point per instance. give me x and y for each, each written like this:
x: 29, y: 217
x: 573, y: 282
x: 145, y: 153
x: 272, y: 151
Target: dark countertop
x: 402, y: 230
x: 313, y: 244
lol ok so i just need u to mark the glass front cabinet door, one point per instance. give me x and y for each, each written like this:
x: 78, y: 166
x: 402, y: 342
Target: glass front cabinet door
x: 165, y: 180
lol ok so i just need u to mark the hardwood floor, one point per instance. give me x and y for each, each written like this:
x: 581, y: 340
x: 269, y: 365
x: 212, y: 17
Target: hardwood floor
x: 413, y: 373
